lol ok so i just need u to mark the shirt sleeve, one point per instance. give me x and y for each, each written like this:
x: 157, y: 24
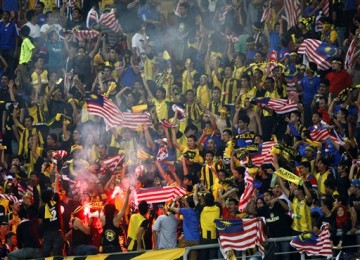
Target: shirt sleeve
x: 29, y: 45
x: 157, y: 224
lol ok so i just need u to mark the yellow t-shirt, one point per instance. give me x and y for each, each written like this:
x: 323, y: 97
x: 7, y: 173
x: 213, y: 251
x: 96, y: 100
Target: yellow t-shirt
x: 186, y: 84
x: 43, y: 78
x: 26, y: 51
x: 215, y: 79
x: 161, y: 108
x: 238, y: 72
x: 273, y: 94
x: 49, y: 5
x: 203, y: 93
x: 106, y: 3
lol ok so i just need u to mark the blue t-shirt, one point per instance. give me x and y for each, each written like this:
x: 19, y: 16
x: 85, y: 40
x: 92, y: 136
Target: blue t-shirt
x: 310, y: 87
x: 11, y: 5
x: 128, y: 78
x: 191, y: 223
x: 8, y: 35
x: 274, y: 42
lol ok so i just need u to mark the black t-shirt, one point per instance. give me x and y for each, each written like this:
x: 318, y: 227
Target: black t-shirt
x: 354, y: 202
x: 278, y: 221
x: 55, y: 221
x: 331, y: 220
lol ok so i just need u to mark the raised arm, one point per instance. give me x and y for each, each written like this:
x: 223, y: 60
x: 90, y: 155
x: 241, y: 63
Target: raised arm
x: 120, y: 215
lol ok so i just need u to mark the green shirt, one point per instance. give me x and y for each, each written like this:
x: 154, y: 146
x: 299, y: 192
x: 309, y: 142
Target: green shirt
x: 26, y: 51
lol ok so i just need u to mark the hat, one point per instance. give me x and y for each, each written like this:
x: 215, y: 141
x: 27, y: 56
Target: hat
x: 355, y: 183
x: 9, y: 177
x: 293, y: 53
x: 161, y: 140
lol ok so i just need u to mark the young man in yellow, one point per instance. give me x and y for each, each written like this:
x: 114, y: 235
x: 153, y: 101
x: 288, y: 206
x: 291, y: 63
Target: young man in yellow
x: 137, y: 226
x: 229, y: 87
x: 208, y: 176
x: 216, y: 74
x: 160, y: 102
x: 26, y: 53
x: 208, y: 213
x: 188, y: 76
x: 246, y: 90
x: 193, y: 111
x: 323, y: 175
x: 215, y: 105
x: 191, y: 152
x: 301, y: 199
x: 203, y: 92
x: 25, y: 131
x: 239, y: 67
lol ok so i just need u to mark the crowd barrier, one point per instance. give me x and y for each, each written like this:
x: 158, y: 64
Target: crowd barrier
x: 156, y: 254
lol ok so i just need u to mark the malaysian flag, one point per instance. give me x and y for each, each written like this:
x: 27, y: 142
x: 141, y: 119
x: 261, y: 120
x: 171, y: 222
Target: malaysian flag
x: 112, y: 162
x: 22, y: 190
x: 318, y: 22
x: 241, y: 234
x: 324, y: 134
x: 159, y: 194
x: 110, y: 21
x: 319, y: 52
x: 265, y: 156
x: 85, y: 34
x: 10, y: 197
x: 266, y: 13
x: 92, y: 18
x: 248, y: 192
x: 320, y: 134
x: 313, y: 244
x: 350, y: 55
x: 325, y: 7
x: 280, y: 106
x: 292, y: 11
x: 113, y: 117
x: 59, y: 154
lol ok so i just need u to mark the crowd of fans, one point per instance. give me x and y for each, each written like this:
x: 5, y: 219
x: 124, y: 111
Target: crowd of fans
x: 196, y: 68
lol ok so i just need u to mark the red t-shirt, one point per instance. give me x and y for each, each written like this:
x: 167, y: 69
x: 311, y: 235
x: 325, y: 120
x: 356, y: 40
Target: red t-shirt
x: 338, y: 81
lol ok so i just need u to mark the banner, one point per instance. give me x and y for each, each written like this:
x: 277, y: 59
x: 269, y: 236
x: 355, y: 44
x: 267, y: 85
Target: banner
x: 289, y: 176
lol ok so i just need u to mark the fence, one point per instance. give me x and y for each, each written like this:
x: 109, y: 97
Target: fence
x: 130, y: 255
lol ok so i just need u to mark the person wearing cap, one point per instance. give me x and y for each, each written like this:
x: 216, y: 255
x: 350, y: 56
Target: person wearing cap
x: 354, y: 202
x: 338, y: 77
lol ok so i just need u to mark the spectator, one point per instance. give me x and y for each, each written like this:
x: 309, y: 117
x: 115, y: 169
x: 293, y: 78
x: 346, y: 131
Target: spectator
x: 137, y: 225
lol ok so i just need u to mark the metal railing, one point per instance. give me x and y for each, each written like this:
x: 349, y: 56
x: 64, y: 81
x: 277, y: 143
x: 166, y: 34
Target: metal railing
x: 269, y: 240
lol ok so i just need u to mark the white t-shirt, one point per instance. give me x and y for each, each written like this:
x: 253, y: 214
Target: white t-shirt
x: 137, y: 42
x: 47, y: 28
x: 34, y: 30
